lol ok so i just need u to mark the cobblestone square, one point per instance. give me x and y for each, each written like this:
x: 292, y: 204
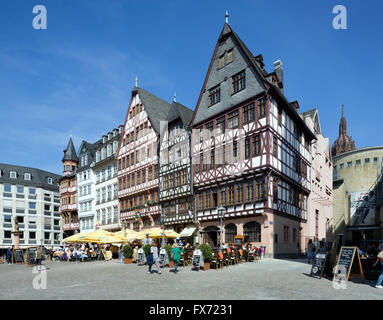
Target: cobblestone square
x: 268, y: 279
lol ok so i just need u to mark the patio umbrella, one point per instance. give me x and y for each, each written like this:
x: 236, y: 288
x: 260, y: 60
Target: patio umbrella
x: 101, y: 236
x: 73, y: 239
x: 130, y: 234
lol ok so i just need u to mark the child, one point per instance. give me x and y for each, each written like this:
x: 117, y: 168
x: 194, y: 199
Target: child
x: 150, y: 261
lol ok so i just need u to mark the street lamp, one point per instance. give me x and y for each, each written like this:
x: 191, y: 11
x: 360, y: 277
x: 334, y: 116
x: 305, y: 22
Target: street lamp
x: 221, y: 213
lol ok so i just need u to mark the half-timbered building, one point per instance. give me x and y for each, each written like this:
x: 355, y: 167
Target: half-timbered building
x: 251, y: 152
x: 176, y: 193
x: 68, y: 192
x: 138, y: 160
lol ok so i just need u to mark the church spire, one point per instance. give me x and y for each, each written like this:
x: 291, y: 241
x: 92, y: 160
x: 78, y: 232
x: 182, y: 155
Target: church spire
x: 227, y: 17
x: 344, y: 143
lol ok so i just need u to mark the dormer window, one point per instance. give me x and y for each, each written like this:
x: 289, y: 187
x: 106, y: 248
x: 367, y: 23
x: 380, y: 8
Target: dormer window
x: 50, y: 180
x: 13, y: 174
x: 1, y: 173
x: 229, y: 56
x: 27, y: 176
x: 103, y: 139
x: 221, y: 61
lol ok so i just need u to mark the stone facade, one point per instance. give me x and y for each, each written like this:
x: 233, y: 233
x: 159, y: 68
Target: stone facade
x: 357, y: 177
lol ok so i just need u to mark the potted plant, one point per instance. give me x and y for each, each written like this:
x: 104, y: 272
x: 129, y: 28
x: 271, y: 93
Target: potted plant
x: 127, y: 252
x: 206, y: 251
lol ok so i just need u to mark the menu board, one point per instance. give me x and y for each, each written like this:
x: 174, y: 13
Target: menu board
x: 238, y: 242
x: 318, y: 264
x: 197, y: 260
x: 163, y: 257
x: 141, y: 257
x: 346, y: 259
x: 18, y: 255
x: 31, y: 256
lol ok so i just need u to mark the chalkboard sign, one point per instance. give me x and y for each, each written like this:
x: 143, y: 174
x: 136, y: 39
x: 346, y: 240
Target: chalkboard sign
x: 346, y: 259
x: 238, y: 242
x: 31, y: 256
x: 319, y: 264
x: 18, y: 255
x: 141, y: 259
x: 163, y: 257
x: 197, y: 260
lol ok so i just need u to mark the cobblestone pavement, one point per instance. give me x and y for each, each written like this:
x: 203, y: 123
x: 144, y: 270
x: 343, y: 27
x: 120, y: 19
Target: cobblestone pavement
x: 267, y: 279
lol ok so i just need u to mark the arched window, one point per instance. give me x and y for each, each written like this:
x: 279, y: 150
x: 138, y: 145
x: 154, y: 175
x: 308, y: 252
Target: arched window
x: 230, y: 233
x: 252, y: 232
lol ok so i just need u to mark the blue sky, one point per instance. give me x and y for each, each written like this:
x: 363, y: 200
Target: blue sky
x: 76, y: 76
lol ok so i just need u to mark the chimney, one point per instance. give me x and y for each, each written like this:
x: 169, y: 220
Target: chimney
x: 279, y: 71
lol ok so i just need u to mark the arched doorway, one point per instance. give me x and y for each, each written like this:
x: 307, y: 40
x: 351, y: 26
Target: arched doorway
x: 211, y: 235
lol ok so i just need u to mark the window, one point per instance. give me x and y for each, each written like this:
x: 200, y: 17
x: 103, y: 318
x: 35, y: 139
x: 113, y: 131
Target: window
x: 32, y: 205
x: 32, y: 235
x: 257, y: 145
x: 357, y: 162
x: 248, y: 113
x: 279, y: 116
x: 230, y: 196
x: 32, y: 191
x: 229, y: 56
x: 223, y: 196
x: 20, y: 189
x: 259, y: 189
x: 367, y: 160
x: 7, y: 234
x: 341, y: 166
x: 286, y: 233
x: 275, y: 192
x: 27, y: 176
x: 7, y: 187
x: 239, y: 82
x: 221, y: 61
x: 214, y: 95
x: 261, y: 108
x: 220, y: 126
x: 13, y: 174
x: 7, y: 219
x: 230, y: 233
x: 349, y: 164
x: 50, y: 180
x: 252, y: 232
x: 233, y: 120
x: 239, y: 193
x: 247, y: 148
x: 249, y: 192
x: 275, y: 146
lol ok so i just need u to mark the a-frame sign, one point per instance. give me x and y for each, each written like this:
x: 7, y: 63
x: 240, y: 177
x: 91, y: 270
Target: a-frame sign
x: 346, y: 260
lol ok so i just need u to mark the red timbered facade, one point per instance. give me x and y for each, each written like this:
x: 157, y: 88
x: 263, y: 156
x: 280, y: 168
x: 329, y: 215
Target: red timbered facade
x: 138, y: 160
x: 251, y: 152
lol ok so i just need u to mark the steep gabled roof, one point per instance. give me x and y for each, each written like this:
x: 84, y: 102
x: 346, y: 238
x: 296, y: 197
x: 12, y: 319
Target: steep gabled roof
x: 182, y: 112
x: 70, y: 152
x: 156, y: 108
x: 257, y: 64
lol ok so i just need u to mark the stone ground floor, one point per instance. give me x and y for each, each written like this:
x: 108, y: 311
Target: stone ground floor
x: 268, y: 279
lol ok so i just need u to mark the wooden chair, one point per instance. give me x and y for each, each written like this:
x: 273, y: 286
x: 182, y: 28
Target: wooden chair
x: 226, y: 260
x: 214, y: 261
x: 232, y: 258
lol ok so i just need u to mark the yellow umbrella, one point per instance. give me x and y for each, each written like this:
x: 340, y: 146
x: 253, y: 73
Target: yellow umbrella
x: 171, y: 234
x: 74, y: 238
x: 99, y: 236
x: 151, y: 233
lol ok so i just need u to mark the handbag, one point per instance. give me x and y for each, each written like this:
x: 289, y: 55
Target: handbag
x: 380, y: 255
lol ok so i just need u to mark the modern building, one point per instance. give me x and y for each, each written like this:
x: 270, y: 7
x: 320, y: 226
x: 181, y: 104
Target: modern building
x: 86, y: 192
x: 68, y: 192
x: 175, y: 186
x: 358, y: 195
x: 344, y: 143
x: 105, y: 171
x: 138, y: 160
x: 32, y: 197
x: 256, y: 160
x: 320, y: 200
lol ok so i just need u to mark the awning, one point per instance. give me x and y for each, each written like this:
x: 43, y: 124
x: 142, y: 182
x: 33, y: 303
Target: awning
x: 187, y: 232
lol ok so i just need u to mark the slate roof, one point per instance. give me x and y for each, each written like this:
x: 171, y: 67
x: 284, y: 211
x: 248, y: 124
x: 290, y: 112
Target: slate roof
x: 180, y: 111
x: 156, y: 108
x: 70, y: 152
x: 38, y: 177
x: 261, y: 72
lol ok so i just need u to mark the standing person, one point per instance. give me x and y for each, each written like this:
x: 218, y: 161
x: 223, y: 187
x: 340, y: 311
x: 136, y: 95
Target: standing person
x: 135, y: 253
x: 51, y: 252
x: 9, y: 255
x: 156, y: 259
x: 380, y: 279
x: 261, y: 250
x: 310, y: 251
x: 175, y: 254
x: 150, y: 260
x: 39, y: 256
